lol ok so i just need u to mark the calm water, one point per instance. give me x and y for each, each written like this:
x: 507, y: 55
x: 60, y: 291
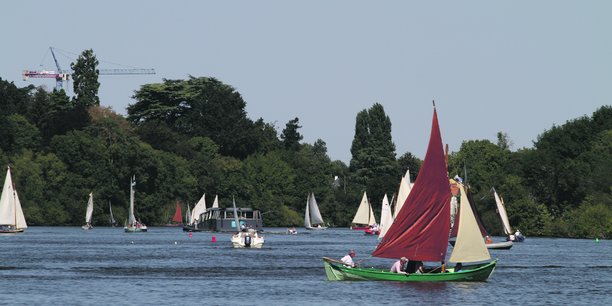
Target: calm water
x: 69, y: 266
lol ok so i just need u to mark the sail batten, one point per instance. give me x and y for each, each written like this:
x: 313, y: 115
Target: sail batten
x: 420, y: 230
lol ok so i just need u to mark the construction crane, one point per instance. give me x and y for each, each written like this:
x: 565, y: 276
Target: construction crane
x: 64, y: 75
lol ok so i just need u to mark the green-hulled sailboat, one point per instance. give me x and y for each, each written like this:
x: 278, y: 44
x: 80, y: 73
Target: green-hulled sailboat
x: 421, y: 229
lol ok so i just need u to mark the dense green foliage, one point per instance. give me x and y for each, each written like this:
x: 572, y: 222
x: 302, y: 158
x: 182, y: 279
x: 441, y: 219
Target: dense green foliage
x: 85, y: 77
x: 185, y: 138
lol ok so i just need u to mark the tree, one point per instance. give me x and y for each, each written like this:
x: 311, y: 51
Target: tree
x: 198, y: 107
x: 373, y: 163
x: 290, y: 135
x: 17, y: 133
x: 503, y: 141
x: 85, y: 79
x: 13, y: 100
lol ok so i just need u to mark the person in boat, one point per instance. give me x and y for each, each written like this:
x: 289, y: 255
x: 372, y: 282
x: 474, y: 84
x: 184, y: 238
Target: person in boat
x: 348, y: 259
x: 419, y: 268
x: 518, y: 236
x: 458, y: 267
x: 399, y: 266
x: 488, y: 239
x: 414, y: 266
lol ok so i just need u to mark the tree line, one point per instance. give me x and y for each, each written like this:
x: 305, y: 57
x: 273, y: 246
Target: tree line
x: 185, y: 138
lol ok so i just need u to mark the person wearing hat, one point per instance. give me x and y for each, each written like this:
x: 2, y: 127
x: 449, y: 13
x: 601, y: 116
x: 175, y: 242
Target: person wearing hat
x: 399, y: 266
x: 348, y: 259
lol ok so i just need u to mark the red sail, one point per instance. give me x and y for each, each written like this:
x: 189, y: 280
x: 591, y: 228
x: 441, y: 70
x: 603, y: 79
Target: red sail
x: 178, y: 215
x: 420, y: 230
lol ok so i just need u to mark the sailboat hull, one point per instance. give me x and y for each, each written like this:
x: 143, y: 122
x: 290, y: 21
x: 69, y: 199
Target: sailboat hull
x: 315, y: 228
x: 11, y: 231
x: 335, y: 271
x: 506, y: 245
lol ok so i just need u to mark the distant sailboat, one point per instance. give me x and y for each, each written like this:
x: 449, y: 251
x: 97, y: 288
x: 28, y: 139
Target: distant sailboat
x: 88, y: 213
x: 177, y: 219
x: 501, y: 210
x: 12, y: 219
x: 386, y: 217
x: 198, y: 209
x: 312, y: 217
x: 133, y: 225
x: 364, y: 215
x: 113, y: 222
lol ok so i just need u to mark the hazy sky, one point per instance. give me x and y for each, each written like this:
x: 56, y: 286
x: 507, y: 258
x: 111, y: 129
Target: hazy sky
x: 512, y: 66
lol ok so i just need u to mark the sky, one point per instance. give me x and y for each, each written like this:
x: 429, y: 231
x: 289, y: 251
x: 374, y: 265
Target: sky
x: 517, y: 67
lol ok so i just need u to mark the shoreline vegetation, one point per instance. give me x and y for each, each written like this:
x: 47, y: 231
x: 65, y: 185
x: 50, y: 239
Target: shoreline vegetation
x: 185, y: 138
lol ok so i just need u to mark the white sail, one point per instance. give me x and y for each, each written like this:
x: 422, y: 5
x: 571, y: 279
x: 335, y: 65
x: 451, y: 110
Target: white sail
x: 469, y: 246
x: 131, y: 218
x: 188, y: 214
x: 110, y: 209
x: 7, y: 201
x: 216, y: 202
x: 315, y: 214
x: 365, y: 214
x: 198, y: 209
x: 89, y: 211
x: 502, y: 213
x: 20, y: 221
x: 386, y: 217
x: 404, y: 191
x: 307, y: 223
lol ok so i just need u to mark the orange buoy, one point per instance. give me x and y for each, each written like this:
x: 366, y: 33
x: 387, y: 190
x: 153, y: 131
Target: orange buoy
x: 214, y: 239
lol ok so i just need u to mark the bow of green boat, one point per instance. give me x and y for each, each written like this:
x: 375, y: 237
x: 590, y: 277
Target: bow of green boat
x: 336, y: 271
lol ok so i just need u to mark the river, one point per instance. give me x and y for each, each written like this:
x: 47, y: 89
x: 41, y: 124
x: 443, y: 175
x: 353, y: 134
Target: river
x: 70, y: 266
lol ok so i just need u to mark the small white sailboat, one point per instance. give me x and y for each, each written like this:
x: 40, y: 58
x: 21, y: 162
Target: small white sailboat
x: 133, y: 225
x: 12, y: 219
x: 501, y: 210
x: 88, y: 213
x: 113, y: 222
x: 312, y: 216
x: 198, y: 209
x: 245, y: 238
x: 364, y: 216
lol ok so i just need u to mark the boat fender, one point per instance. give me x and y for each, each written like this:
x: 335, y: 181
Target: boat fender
x: 247, y: 240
